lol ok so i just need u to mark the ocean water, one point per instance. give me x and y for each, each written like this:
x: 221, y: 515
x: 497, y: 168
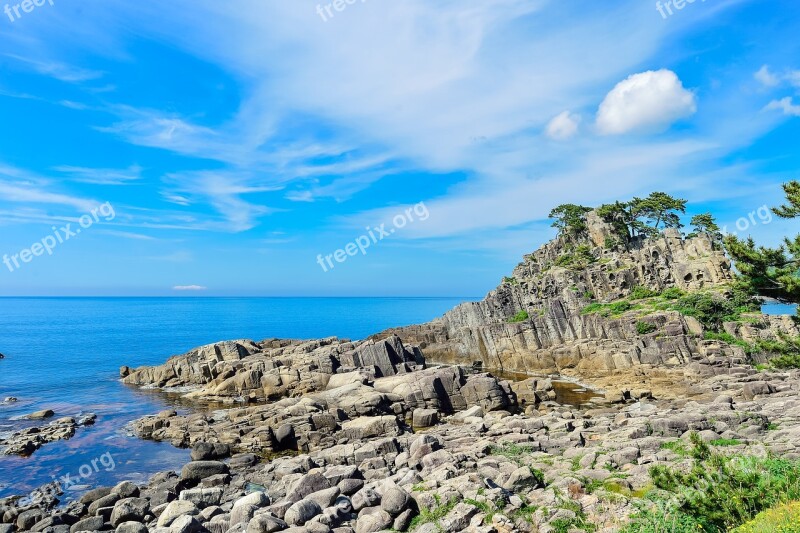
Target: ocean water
x: 64, y: 354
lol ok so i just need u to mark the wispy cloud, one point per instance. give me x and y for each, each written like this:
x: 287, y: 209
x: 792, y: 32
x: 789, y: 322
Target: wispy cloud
x: 59, y: 71
x: 102, y: 176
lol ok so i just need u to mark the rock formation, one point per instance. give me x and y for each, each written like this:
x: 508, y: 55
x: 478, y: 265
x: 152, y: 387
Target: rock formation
x: 555, y: 335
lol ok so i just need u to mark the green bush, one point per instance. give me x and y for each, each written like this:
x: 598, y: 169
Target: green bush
x: 712, y: 309
x: 640, y: 293
x: 722, y: 492
x: 643, y: 328
x: 617, y: 308
x: 672, y: 293
x: 519, y: 317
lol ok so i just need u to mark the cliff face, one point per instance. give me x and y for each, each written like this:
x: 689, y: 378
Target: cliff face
x: 557, y: 334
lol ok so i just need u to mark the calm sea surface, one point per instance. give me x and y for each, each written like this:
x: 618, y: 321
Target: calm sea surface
x: 64, y: 354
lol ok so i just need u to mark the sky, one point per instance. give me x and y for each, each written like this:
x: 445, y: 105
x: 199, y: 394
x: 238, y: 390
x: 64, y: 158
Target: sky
x: 211, y: 148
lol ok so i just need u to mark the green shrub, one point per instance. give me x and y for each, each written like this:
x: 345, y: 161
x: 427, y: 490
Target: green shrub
x: 617, y: 308
x: 643, y: 328
x: 519, y: 317
x: 722, y: 492
x: 672, y: 293
x: 712, y: 309
x: 714, y: 336
x: 784, y: 518
x: 640, y: 293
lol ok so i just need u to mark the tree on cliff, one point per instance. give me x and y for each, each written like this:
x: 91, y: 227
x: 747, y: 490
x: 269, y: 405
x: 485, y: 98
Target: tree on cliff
x: 706, y: 223
x: 570, y: 219
x: 769, y: 271
x: 659, y: 209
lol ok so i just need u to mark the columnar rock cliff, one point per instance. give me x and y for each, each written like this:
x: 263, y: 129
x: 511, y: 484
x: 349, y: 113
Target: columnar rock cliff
x: 554, y: 333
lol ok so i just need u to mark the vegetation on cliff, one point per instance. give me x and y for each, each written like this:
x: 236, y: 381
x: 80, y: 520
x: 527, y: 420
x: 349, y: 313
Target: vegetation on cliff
x: 771, y: 271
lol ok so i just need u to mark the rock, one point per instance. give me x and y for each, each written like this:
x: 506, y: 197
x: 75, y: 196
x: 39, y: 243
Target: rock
x: 373, y: 522
x: 9, y: 399
x: 424, y: 418
x: 131, y: 527
x: 757, y: 388
x: 301, y: 512
x: 94, y: 523
x: 95, y: 494
x: 185, y: 524
x: 176, y: 509
x: 126, y: 489
x: 266, y: 523
x: 129, y: 510
x: 195, y: 471
x: 203, y: 497
x: 257, y: 499
x: 204, y: 451
x: 40, y: 415
x: 395, y: 500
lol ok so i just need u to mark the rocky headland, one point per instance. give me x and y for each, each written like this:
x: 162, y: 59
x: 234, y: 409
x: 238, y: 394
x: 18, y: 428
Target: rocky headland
x: 413, y: 430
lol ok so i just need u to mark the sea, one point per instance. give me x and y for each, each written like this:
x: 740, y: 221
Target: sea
x: 64, y: 354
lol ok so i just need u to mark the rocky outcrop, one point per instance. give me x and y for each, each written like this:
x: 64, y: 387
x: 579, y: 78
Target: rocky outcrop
x: 313, y: 407
x: 26, y: 441
x: 554, y: 334
x: 250, y: 371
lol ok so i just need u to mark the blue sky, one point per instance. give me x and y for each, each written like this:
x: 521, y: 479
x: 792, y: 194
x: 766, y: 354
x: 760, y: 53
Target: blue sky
x: 236, y: 142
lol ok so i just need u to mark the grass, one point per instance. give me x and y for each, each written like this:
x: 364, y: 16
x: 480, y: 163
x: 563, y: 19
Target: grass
x: 434, y: 514
x: 726, y: 442
x: 675, y: 446
x: 644, y: 328
x: 519, y: 317
x: 512, y: 451
x: 716, y: 493
x: 784, y: 518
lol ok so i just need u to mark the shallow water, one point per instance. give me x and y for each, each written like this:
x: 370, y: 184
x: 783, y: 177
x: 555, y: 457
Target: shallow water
x: 776, y: 308
x: 567, y: 392
x: 64, y: 354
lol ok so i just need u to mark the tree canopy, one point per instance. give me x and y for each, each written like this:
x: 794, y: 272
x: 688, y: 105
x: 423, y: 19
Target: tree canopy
x: 570, y: 219
x: 769, y: 271
x: 644, y: 216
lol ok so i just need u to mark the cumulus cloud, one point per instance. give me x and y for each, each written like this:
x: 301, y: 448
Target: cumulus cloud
x: 563, y: 126
x: 648, y: 101
x: 786, y: 105
x: 189, y: 288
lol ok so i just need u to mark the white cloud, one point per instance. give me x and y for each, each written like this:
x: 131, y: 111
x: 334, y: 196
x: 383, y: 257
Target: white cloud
x: 649, y: 101
x: 563, y: 126
x: 59, y: 71
x: 102, y: 176
x: 786, y: 105
x: 766, y: 78
x: 189, y: 288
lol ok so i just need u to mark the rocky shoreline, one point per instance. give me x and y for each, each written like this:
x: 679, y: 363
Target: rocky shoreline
x: 330, y: 435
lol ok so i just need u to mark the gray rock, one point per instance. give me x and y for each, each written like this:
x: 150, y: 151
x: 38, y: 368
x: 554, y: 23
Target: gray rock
x: 129, y: 510
x: 373, y: 522
x: 424, y: 418
x: 395, y: 500
x: 266, y: 523
x: 126, y: 489
x: 131, y: 527
x: 185, y: 524
x: 206, y: 451
x: 176, y: 509
x: 203, y: 497
x: 301, y: 512
x: 195, y: 471
x: 94, y: 523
